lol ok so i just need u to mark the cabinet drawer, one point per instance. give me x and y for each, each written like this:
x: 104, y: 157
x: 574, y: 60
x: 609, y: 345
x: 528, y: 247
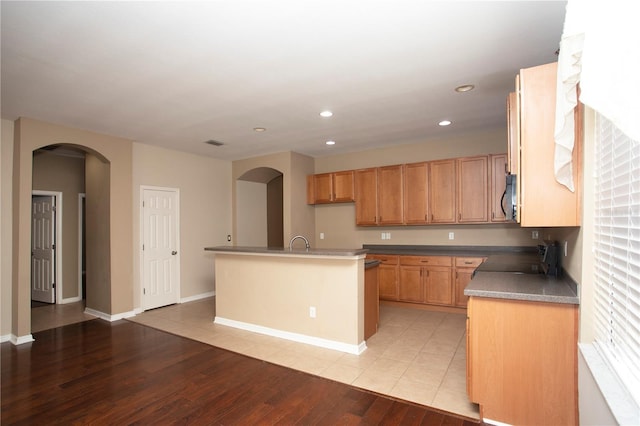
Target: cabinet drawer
x: 426, y: 260
x: 384, y: 258
x: 469, y: 262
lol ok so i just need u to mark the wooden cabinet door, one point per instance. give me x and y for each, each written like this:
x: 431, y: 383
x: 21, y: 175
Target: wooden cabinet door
x: 473, y: 189
x: 442, y: 191
x: 438, y: 285
x: 513, y: 132
x: 416, y: 193
x: 544, y: 201
x: 387, y: 275
x: 366, y: 186
x: 390, y: 200
x: 411, y: 285
x: 343, y: 186
x: 462, y: 278
x: 388, y: 282
x: 323, y: 188
x: 498, y: 185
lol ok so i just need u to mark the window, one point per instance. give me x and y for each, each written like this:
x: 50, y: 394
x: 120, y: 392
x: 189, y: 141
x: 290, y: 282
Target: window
x: 617, y: 252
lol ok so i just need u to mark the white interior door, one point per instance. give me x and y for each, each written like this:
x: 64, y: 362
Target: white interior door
x: 160, y: 248
x: 43, y: 256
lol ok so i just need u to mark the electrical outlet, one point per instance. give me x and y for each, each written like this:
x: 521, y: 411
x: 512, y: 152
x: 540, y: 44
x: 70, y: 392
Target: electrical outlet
x: 229, y: 238
x: 383, y: 235
x: 322, y: 235
x: 388, y: 235
x: 451, y: 236
x: 534, y: 235
x: 312, y: 311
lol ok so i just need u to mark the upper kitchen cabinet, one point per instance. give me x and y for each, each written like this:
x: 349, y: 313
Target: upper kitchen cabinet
x: 473, y: 189
x: 366, y: 184
x: 498, y: 185
x: 416, y: 193
x: 336, y: 187
x: 390, y: 200
x: 513, y: 130
x: 379, y: 196
x: 542, y: 200
x: 442, y: 191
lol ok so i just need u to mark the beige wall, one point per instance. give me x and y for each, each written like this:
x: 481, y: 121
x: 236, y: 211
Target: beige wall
x: 6, y: 247
x: 30, y: 135
x: 298, y: 217
x: 252, y: 214
x: 337, y: 221
x: 64, y: 174
x: 205, y: 212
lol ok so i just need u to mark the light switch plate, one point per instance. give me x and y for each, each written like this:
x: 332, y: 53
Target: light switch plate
x: 451, y: 236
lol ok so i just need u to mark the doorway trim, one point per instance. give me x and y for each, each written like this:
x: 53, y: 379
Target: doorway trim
x: 57, y: 195
x: 141, y: 305
x: 81, y: 219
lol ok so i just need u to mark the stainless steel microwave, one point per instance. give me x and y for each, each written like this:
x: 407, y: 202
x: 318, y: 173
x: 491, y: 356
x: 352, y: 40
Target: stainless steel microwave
x: 509, y: 199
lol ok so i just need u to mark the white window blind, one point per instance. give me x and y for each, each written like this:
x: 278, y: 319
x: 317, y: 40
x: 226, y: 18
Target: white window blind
x: 617, y: 252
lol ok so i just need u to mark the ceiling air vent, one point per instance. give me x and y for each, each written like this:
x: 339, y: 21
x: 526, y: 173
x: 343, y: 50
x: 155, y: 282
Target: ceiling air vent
x: 214, y: 143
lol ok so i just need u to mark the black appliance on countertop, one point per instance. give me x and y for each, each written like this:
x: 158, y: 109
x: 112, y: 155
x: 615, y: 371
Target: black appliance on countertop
x: 549, y: 252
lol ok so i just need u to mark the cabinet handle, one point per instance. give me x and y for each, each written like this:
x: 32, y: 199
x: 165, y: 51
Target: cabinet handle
x: 459, y: 216
x: 424, y: 261
x: 427, y: 274
x: 425, y: 218
x: 468, y: 263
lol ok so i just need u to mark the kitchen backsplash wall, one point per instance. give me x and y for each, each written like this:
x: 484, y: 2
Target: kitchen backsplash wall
x: 337, y: 223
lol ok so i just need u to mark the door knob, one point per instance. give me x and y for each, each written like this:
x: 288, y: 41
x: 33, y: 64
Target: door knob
x: 174, y: 252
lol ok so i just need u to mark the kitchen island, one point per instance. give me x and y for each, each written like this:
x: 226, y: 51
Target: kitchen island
x: 314, y: 296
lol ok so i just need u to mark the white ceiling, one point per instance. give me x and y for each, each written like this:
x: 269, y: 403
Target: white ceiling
x: 176, y: 74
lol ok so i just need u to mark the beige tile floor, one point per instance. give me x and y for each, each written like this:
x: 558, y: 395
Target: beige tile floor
x: 416, y: 355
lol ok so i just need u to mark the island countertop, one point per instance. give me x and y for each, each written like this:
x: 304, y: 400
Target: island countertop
x: 284, y: 251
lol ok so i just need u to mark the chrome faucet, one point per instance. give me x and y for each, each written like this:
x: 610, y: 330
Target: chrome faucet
x: 306, y: 242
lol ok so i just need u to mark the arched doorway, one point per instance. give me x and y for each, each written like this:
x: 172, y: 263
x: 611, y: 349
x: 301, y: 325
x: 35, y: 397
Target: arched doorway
x: 62, y: 169
x: 259, y: 208
x: 108, y: 169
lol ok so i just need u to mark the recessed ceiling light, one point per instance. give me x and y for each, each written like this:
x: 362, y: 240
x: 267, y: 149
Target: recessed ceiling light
x: 465, y: 88
x: 259, y: 129
x: 444, y: 123
x: 326, y: 114
x: 330, y: 142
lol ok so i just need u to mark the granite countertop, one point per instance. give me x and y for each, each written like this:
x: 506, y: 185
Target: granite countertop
x: 508, y: 273
x: 286, y: 251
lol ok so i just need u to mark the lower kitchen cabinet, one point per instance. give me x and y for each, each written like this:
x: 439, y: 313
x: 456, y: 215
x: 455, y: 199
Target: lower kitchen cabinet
x: 464, y: 267
x: 522, y: 360
x: 425, y: 279
x: 387, y: 275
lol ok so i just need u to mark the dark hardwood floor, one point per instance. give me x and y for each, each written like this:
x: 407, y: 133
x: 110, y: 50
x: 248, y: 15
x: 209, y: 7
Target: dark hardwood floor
x: 125, y: 373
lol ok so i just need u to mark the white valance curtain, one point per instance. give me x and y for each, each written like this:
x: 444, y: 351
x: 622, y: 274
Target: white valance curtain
x: 600, y: 49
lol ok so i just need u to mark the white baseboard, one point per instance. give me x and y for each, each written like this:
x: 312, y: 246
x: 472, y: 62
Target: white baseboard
x: 5, y: 338
x: 296, y: 337
x: 109, y: 317
x: 70, y: 300
x: 198, y: 297
x: 19, y: 340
